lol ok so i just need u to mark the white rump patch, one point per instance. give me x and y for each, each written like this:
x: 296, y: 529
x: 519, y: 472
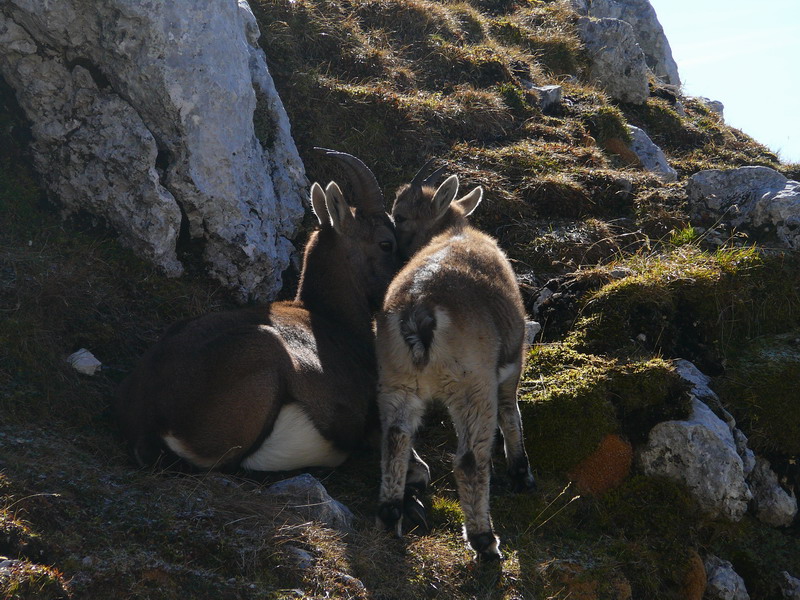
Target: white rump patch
x: 294, y: 443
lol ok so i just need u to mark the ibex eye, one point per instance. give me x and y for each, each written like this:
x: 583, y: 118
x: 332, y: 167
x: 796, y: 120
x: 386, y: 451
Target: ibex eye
x: 385, y: 246
x: 399, y: 219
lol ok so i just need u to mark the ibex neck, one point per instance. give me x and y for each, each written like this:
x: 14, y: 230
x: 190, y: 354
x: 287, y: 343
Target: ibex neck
x: 328, y: 288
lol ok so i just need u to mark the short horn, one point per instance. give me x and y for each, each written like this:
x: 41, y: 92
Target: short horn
x: 422, y: 178
x: 366, y: 191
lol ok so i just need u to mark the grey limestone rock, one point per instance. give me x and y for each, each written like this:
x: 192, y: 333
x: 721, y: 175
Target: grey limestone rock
x: 723, y: 582
x: 650, y: 155
x: 790, y: 586
x: 773, y: 505
x: 756, y: 199
x: 700, y: 453
x: 305, y: 495
x: 649, y: 32
x: 617, y: 62
x: 142, y: 115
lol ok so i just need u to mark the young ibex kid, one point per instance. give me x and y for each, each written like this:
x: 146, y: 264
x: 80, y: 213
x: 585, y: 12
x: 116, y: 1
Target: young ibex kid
x: 280, y: 387
x: 452, y: 328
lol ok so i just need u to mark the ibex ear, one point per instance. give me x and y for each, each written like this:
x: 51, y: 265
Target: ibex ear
x: 470, y: 202
x: 318, y: 204
x: 338, y: 209
x: 444, y: 196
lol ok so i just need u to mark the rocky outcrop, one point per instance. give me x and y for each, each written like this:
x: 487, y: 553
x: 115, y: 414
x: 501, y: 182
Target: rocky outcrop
x: 650, y: 155
x: 142, y: 114
x: 616, y: 62
x: 758, y: 200
x: 701, y: 453
x: 649, y: 33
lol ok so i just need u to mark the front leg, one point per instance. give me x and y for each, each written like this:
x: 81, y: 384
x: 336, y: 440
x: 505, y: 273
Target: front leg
x: 401, y: 413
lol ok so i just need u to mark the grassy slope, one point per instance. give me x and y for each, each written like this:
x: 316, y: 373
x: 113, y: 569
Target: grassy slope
x: 393, y: 81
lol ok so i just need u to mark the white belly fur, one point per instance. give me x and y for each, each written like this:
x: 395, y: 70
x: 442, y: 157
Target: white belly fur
x: 294, y: 444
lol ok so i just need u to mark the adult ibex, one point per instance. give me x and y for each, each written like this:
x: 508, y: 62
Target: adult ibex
x: 452, y: 328
x: 280, y: 387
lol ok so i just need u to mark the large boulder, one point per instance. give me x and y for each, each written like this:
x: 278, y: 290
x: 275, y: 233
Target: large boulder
x: 616, y: 62
x: 700, y: 452
x: 758, y: 200
x: 142, y: 114
x: 649, y: 33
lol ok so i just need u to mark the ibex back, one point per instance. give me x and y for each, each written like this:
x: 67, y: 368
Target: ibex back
x: 280, y: 387
x: 452, y: 328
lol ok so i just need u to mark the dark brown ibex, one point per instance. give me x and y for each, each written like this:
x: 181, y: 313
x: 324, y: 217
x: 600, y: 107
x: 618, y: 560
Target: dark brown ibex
x: 280, y: 387
x: 452, y: 328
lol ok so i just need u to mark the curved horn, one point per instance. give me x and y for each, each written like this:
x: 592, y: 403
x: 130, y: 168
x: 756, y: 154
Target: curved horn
x: 366, y: 191
x: 420, y: 179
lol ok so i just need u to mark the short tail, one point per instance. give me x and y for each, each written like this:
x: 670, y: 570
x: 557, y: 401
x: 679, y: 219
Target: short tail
x: 417, y: 326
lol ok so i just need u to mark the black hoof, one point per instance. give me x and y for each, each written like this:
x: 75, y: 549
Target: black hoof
x: 389, y: 514
x: 522, y: 479
x: 414, y: 512
x: 486, y: 545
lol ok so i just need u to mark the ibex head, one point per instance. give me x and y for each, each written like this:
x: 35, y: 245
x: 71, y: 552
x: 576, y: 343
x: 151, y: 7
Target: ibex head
x: 361, y: 231
x: 421, y: 211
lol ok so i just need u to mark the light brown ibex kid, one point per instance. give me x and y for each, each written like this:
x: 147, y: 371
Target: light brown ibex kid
x: 452, y: 328
x: 280, y: 387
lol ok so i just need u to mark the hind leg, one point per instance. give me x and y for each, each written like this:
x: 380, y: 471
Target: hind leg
x: 475, y: 419
x: 519, y: 469
x: 401, y: 413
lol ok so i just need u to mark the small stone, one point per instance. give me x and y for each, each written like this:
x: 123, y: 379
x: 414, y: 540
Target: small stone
x: 84, y: 362
x: 532, y: 329
x: 651, y: 156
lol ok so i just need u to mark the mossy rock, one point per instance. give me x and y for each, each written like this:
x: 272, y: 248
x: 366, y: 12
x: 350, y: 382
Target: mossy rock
x: 570, y: 401
x: 761, y: 388
x: 687, y: 303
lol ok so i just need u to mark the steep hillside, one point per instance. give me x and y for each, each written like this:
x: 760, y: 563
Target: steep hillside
x: 611, y: 260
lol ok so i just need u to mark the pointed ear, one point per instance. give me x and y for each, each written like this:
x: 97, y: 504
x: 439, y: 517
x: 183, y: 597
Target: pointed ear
x: 470, y: 202
x: 444, y: 196
x: 318, y: 204
x: 338, y: 208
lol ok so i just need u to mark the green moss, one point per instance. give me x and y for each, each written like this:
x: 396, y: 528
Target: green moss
x: 570, y: 401
x: 605, y: 123
x: 515, y: 98
x: 664, y: 125
x: 760, y: 387
x: 692, y: 304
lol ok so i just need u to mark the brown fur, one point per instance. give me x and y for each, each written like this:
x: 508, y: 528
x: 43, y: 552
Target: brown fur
x: 217, y: 383
x: 452, y: 329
